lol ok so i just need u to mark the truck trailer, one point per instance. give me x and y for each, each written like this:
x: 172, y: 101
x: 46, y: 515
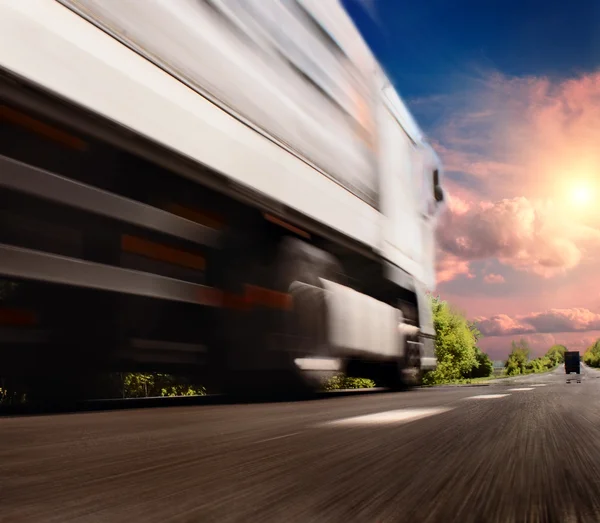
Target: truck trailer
x: 231, y: 190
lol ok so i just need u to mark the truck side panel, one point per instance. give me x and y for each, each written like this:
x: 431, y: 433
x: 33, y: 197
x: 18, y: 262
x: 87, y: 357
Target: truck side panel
x: 376, y: 143
x: 88, y: 67
x: 298, y: 85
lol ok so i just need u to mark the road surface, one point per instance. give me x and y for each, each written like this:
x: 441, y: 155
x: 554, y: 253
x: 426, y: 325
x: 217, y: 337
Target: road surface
x: 518, y: 450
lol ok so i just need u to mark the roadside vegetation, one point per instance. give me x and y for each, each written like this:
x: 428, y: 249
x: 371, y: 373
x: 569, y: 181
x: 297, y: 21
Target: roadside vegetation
x: 591, y: 356
x: 140, y: 385
x: 121, y: 385
x: 342, y: 382
x: 459, y: 357
x: 460, y: 360
x: 10, y: 397
x: 519, y: 362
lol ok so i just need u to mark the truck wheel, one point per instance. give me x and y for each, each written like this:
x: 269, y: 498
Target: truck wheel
x: 263, y: 343
x: 411, y: 374
x: 406, y: 373
x: 300, y: 266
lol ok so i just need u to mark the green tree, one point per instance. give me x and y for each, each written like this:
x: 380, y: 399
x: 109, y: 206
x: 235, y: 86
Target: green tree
x: 556, y: 354
x: 591, y: 356
x: 517, y: 361
x: 455, y: 345
x: 484, y: 368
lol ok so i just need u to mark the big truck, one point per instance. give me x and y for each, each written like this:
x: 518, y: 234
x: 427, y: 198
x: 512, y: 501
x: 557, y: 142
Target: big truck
x: 230, y: 190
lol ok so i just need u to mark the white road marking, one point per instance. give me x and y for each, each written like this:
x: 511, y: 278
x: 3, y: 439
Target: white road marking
x: 390, y: 416
x: 487, y: 397
x: 522, y: 388
x: 539, y: 385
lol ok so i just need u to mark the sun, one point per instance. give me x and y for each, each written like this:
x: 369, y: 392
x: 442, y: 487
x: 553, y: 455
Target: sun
x: 581, y: 195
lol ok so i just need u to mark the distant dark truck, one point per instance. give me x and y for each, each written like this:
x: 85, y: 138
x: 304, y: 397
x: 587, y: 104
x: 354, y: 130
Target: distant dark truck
x: 572, y: 362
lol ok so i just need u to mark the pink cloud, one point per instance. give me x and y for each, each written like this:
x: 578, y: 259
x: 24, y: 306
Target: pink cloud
x: 528, y: 141
x: 457, y: 204
x: 531, y: 236
x: 551, y: 321
x: 459, y: 195
x: 502, y: 325
x: 565, y: 320
x: 449, y: 267
x: 579, y: 288
x: 537, y: 237
x: 494, y: 278
x: 474, y: 164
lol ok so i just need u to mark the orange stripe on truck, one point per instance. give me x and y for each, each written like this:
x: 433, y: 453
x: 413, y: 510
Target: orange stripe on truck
x: 202, y: 217
x: 25, y: 121
x: 161, y: 252
x: 253, y: 297
x: 268, y: 298
x: 286, y: 225
x: 18, y: 317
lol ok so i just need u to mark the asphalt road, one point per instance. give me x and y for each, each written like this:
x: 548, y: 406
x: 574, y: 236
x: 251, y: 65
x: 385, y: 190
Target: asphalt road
x: 515, y: 451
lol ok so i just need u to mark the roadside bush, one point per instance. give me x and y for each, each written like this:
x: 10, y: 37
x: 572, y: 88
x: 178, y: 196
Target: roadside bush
x: 8, y: 397
x: 556, y: 353
x: 341, y: 382
x: 484, y: 368
x: 591, y: 356
x: 141, y: 385
x: 11, y: 392
x: 455, y: 345
x: 518, y: 361
x: 539, y: 365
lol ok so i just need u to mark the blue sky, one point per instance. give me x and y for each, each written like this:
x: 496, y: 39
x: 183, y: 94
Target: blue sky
x: 509, y: 94
x: 426, y: 44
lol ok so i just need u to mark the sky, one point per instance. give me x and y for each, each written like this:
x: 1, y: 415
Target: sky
x: 508, y: 93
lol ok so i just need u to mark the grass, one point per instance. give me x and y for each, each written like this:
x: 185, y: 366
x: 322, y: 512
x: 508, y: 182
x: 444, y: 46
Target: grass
x: 474, y: 381
x: 469, y: 381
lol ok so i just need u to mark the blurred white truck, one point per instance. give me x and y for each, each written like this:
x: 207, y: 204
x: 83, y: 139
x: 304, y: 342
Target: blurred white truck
x: 227, y: 187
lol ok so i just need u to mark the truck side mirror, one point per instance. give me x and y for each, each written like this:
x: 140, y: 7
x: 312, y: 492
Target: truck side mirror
x: 438, y: 192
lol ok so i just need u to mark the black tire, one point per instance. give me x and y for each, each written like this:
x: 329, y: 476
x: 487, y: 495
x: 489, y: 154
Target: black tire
x: 406, y: 373
x: 276, y: 338
x: 413, y: 364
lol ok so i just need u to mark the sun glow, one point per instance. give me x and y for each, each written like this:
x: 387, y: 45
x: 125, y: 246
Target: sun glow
x: 581, y: 195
